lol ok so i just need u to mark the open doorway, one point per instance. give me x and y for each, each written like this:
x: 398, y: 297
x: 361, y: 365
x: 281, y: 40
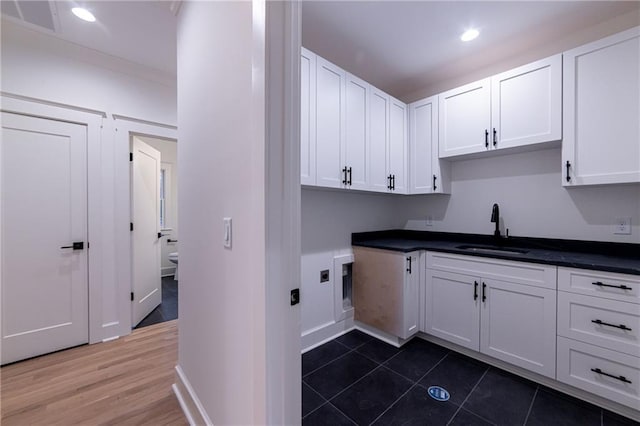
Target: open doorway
x: 154, y: 236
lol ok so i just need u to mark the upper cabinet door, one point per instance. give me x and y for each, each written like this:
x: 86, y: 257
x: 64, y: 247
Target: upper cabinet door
x: 356, y: 147
x: 423, y: 134
x: 330, y: 131
x: 397, y: 159
x: 379, y: 136
x: 601, y: 92
x: 307, y: 118
x: 526, y: 104
x: 465, y: 119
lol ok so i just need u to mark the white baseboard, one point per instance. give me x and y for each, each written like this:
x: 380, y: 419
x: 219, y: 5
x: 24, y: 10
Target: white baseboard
x: 189, y: 402
x: 319, y: 336
x: 381, y: 335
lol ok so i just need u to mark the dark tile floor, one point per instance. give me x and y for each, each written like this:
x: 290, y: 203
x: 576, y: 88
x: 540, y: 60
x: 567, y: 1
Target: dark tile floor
x: 356, y: 379
x: 168, y: 309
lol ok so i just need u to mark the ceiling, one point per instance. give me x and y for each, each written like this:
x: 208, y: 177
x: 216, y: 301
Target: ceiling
x: 398, y: 46
x: 401, y: 47
x: 143, y: 32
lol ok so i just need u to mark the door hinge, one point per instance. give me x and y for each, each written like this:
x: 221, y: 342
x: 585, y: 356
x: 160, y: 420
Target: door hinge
x: 130, y: 226
x: 132, y: 296
x: 131, y: 156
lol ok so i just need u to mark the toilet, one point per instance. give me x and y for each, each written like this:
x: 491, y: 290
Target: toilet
x: 173, y: 258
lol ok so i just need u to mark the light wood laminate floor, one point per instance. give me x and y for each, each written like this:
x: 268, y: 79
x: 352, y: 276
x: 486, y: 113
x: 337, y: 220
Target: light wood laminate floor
x: 123, y: 382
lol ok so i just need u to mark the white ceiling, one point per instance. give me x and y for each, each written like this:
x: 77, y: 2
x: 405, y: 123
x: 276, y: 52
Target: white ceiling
x: 402, y: 47
x: 143, y: 32
x: 398, y: 46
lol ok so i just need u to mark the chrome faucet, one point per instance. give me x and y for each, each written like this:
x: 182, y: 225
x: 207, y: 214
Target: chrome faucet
x: 495, y: 218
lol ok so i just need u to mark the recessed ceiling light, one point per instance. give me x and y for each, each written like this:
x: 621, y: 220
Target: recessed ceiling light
x: 469, y: 35
x: 83, y: 14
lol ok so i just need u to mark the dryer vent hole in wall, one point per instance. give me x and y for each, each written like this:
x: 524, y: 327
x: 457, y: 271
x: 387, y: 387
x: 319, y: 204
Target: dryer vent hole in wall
x: 324, y: 276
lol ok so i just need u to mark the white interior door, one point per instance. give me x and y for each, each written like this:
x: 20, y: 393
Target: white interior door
x: 145, y: 200
x: 43, y: 182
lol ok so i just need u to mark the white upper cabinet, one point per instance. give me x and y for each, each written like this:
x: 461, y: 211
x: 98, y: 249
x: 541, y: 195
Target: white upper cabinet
x: 517, y: 108
x: 427, y: 173
x: 355, y: 167
x: 397, y: 156
x: 465, y: 119
x: 379, y: 131
x: 601, y: 113
x: 526, y: 104
x: 307, y: 118
x: 330, y: 129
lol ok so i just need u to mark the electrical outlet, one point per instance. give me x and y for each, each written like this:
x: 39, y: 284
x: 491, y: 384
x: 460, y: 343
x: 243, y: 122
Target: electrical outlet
x: 622, y: 226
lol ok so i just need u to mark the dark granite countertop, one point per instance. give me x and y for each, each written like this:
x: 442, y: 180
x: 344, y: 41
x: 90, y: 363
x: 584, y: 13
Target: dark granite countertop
x: 594, y: 255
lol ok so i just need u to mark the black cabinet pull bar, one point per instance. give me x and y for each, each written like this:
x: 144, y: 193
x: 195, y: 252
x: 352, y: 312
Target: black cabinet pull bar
x: 568, y: 165
x: 475, y: 290
x: 349, y: 176
x: 484, y: 288
x: 409, y: 267
x: 434, y: 182
x: 621, y: 326
x: 486, y: 138
x: 621, y: 286
x: 495, y: 137
x: 344, y: 175
x: 621, y: 378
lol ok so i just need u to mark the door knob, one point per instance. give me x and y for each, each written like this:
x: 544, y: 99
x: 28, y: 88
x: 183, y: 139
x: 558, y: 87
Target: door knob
x: 76, y: 246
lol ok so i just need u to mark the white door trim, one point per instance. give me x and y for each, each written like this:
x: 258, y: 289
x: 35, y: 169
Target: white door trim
x: 282, y: 195
x: 93, y: 120
x: 124, y: 128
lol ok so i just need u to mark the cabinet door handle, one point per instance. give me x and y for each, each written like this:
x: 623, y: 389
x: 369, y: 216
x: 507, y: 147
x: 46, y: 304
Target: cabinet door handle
x: 495, y: 137
x: 484, y: 295
x: 344, y: 175
x: 568, y: 166
x: 393, y: 182
x: 349, y: 176
x: 409, y: 264
x: 486, y: 138
x: 475, y: 290
x: 389, y: 182
x: 434, y: 183
x: 621, y: 378
x: 621, y: 286
x: 621, y: 326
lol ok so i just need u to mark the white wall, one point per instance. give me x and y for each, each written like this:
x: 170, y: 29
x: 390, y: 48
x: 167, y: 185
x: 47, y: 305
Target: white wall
x: 330, y: 216
x: 222, y: 174
x: 533, y: 203
x: 38, y: 66
x: 169, y: 157
x: 44, y: 67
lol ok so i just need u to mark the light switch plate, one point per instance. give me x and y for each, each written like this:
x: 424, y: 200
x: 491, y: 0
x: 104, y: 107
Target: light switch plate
x: 227, y: 232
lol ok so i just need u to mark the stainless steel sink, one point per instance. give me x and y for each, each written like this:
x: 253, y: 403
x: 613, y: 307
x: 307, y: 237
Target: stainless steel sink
x: 492, y: 249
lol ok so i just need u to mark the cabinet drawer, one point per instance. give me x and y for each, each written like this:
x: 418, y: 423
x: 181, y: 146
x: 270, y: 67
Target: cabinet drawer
x: 519, y: 272
x: 602, y: 284
x: 577, y: 360
x: 616, y: 326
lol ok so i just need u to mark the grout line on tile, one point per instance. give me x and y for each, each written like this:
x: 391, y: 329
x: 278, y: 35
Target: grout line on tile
x: 341, y: 412
x: 316, y: 409
x: 361, y: 378
x: 467, y: 397
x: 392, y: 404
x: 526, y: 419
x: 335, y: 359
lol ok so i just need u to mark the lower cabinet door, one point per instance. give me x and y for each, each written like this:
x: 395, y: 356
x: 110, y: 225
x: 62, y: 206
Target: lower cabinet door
x: 606, y: 373
x: 518, y: 325
x: 452, y: 304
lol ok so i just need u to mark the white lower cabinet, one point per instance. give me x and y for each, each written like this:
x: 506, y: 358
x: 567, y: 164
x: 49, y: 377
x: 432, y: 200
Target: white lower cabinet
x: 501, y: 308
x: 599, y: 333
x: 386, y: 290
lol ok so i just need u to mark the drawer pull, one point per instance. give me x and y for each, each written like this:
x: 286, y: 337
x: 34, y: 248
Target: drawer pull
x: 621, y: 378
x: 621, y: 326
x: 621, y: 286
